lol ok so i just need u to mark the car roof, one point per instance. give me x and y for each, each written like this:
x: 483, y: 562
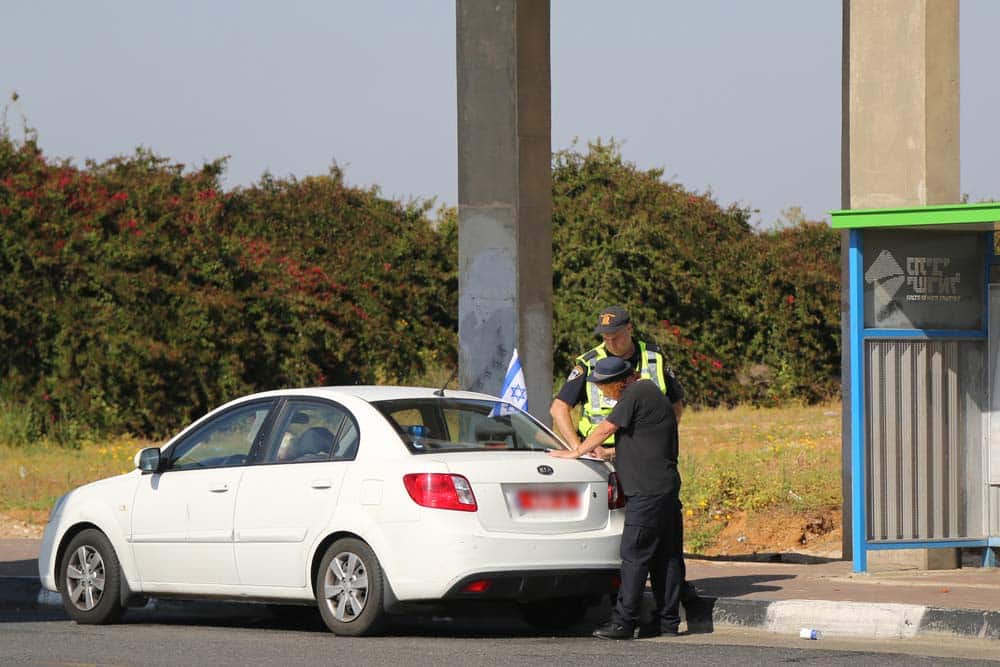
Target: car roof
x: 371, y: 393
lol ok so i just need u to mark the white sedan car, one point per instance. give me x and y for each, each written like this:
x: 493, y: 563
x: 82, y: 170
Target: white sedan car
x: 358, y: 499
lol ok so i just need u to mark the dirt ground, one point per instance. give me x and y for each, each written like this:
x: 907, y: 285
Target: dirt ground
x: 816, y: 534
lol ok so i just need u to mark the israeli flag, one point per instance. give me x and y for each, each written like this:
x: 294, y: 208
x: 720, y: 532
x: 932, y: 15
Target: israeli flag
x: 514, y: 389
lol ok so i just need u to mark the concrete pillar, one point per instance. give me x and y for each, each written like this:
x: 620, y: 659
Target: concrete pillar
x: 900, y: 135
x: 846, y: 516
x: 505, y: 195
x: 902, y: 91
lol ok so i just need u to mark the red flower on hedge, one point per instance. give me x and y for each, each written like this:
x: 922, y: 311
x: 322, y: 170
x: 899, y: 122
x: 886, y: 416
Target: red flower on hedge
x: 790, y: 299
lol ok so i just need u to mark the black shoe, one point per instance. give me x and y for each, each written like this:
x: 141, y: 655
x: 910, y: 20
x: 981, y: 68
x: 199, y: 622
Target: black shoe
x: 613, y: 631
x: 689, y: 593
x: 648, y: 630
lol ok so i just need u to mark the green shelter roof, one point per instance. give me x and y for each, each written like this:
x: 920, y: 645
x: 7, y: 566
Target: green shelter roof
x: 979, y: 216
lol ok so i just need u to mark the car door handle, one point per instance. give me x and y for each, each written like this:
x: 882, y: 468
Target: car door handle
x: 219, y: 488
x: 321, y: 484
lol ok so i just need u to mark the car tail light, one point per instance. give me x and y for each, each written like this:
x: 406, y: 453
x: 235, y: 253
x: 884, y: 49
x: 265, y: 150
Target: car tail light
x: 441, y: 491
x: 616, y: 496
x: 477, y: 586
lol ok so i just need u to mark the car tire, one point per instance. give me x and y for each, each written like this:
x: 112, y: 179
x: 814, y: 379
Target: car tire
x: 90, y: 579
x: 349, y: 589
x: 554, y: 614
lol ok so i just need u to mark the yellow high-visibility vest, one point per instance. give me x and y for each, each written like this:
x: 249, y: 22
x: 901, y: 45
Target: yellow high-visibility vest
x: 598, y: 406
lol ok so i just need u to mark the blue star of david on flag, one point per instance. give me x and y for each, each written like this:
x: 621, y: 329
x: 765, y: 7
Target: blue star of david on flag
x: 514, y: 388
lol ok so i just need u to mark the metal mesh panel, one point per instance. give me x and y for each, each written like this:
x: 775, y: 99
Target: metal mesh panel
x: 924, y: 430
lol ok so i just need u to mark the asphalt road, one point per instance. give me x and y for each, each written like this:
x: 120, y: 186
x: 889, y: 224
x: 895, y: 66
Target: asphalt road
x: 180, y: 638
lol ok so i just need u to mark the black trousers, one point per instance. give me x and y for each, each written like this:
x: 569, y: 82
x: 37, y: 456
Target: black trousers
x: 652, y: 545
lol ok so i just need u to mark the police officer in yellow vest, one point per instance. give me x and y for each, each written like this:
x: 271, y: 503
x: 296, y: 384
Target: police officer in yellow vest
x: 615, y: 327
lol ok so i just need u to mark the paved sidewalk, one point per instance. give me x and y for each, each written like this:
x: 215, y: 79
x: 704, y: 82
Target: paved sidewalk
x: 778, y: 596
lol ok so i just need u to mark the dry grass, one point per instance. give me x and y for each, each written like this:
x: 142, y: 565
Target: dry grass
x: 754, y: 461
x: 707, y: 431
x: 33, y: 478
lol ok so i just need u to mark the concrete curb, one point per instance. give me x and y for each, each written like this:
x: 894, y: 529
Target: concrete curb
x: 831, y: 619
x: 859, y: 620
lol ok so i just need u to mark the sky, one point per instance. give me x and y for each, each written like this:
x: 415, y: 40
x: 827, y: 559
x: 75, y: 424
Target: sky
x: 740, y: 99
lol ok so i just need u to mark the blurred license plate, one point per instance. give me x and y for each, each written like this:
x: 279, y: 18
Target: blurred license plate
x: 548, y: 499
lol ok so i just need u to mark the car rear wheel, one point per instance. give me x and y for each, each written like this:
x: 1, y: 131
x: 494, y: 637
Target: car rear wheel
x: 555, y: 614
x: 90, y: 579
x: 349, y: 589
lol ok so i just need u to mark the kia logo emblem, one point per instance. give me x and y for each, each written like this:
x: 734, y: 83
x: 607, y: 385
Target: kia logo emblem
x: 545, y: 470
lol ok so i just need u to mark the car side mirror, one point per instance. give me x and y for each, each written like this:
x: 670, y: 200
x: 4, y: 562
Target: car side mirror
x: 148, y: 460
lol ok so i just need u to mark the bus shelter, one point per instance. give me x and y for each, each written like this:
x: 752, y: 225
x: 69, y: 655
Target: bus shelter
x: 924, y: 344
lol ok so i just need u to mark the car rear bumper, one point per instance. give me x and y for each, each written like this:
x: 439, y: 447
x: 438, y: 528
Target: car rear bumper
x: 432, y: 558
x: 526, y: 586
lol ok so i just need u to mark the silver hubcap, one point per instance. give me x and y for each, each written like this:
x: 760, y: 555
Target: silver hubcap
x: 85, y: 578
x: 345, y: 587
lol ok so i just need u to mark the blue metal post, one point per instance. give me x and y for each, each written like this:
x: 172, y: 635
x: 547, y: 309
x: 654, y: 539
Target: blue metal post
x: 857, y: 407
x: 989, y: 553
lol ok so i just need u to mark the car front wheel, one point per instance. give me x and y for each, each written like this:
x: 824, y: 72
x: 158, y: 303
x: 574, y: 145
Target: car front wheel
x: 349, y: 589
x: 90, y: 579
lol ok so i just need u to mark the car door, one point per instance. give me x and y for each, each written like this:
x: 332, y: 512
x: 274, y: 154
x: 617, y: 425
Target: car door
x: 289, y: 495
x: 182, y: 519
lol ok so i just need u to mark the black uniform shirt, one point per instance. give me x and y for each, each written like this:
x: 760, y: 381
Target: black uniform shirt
x: 647, y: 441
x: 574, y: 391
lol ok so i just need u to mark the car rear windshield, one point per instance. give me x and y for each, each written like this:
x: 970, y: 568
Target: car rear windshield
x: 463, y: 425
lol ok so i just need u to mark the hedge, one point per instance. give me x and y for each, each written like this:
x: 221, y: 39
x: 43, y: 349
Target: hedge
x: 137, y: 294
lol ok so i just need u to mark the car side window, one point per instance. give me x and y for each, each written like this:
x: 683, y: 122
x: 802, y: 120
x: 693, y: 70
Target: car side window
x: 347, y: 441
x: 225, y: 440
x: 312, y: 431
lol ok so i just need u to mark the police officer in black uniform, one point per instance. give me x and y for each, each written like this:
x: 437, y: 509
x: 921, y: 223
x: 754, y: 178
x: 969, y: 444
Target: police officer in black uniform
x: 645, y: 425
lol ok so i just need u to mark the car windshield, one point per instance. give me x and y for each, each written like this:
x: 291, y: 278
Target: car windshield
x: 462, y: 425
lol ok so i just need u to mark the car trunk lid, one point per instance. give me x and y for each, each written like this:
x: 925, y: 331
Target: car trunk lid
x: 531, y: 492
